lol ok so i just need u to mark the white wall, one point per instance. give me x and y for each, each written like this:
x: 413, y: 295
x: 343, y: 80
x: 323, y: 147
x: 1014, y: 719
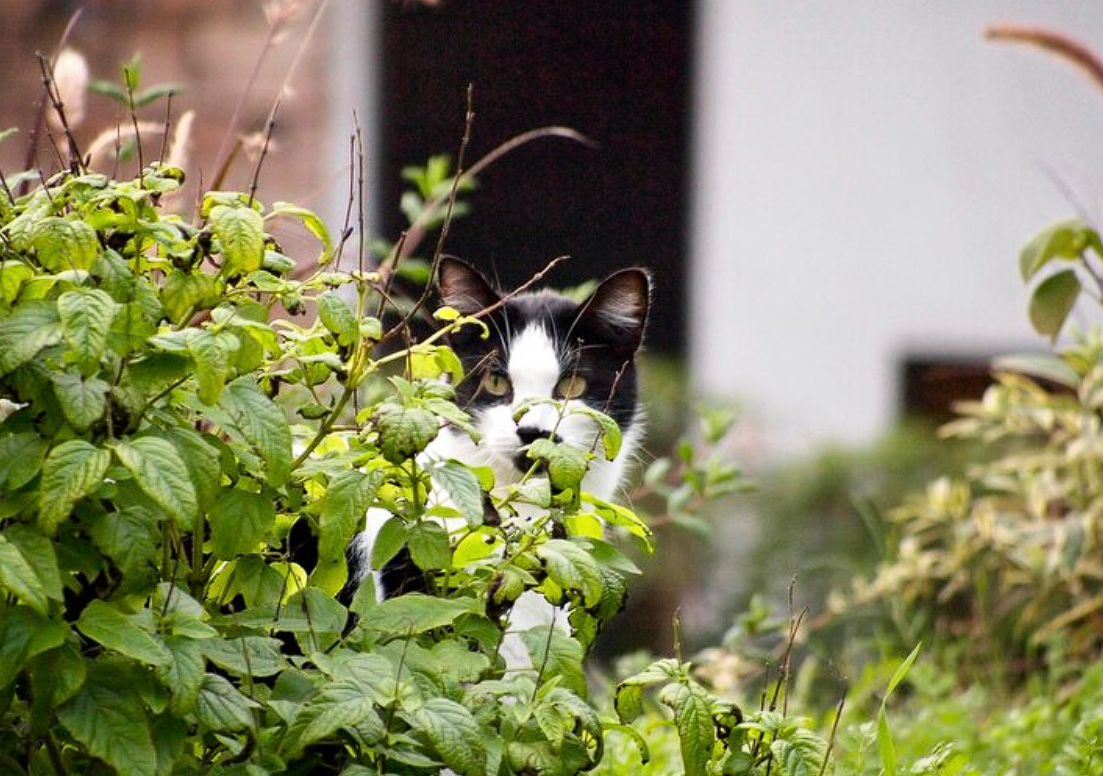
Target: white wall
x: 865, y: 173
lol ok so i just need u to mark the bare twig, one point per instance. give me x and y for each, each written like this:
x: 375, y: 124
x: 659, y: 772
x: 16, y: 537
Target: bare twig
x: 49, y: 85
x: 168, y: 127
x: 40, y: 114
x: 361, y: 238
x: 137, y: 131
x: 834, y: 730
x: 469, y: 120
x: 263, y: 151
x: 275, y: 30
x: 1063, y: 46
x: 429, y: 211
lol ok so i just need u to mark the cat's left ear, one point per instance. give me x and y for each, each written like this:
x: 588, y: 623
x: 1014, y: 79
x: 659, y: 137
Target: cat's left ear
x: 617, y: 310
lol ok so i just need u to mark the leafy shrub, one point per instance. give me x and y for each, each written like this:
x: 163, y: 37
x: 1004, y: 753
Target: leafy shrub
x: 152, y: 617
x: 1007, y: 556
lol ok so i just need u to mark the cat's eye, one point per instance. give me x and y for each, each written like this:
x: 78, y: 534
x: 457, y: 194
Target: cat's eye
x: 496, y: 384
x: 570, y: 387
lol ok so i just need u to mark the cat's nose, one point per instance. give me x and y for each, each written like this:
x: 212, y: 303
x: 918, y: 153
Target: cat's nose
x: 529, y: 434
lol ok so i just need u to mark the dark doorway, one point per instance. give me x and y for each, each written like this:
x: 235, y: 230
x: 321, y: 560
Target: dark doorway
x: 615, y: 70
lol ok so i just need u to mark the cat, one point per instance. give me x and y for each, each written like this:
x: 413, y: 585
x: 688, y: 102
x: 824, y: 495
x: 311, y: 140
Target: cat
x: 541, y: 345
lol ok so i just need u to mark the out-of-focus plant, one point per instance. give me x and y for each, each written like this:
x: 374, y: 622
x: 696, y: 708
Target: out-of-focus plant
x: 1009, y: 556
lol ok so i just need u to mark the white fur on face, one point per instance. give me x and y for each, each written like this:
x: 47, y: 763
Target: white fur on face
x: 534, y: 370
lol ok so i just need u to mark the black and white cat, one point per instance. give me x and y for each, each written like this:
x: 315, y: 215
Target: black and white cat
x: 542, y: 345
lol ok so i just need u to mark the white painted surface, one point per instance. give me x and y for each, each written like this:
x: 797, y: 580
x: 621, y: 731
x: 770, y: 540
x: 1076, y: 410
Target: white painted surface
x: 865, y: 175
x: 353, y: 85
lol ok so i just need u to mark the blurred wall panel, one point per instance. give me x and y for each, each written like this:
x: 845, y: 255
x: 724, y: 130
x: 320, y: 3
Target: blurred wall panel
x: 866, y: 174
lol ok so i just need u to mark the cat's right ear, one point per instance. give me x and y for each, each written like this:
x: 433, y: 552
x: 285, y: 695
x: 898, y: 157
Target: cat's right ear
x: 463, y: 287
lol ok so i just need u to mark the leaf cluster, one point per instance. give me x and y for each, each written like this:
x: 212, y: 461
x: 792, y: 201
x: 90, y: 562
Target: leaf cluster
x: 178, y: 400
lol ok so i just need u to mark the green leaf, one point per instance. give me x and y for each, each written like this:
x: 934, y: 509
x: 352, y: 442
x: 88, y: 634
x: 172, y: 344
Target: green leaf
x: 221, y: 706
x: 83, y: 401
x: 415, y: 613
x: 610, y: 431
x: 17, y: 576
x: 107, y: 717
x: 247, y: 655
x: 183, y: 675
x: 405, y: 432
x: 343, y: 704
x: 161, y: 474
x: 62, y: 244
x: 103, y: 623
x: 240, y: 233
x: 622, y: 517
x: 454, y: 734
x: 28, y: 567
x: 693, y: 718
x: 86, y: 316
x: 127, y: 537
x: 1065, y: 240
x: 901, y: 671
x: 1052, y: 302
x: 212, y: 354
x: 262, y: 424
x: 337, y: 317
x: 323, y: 617
x: 628, y: 697
x: 26, y: 332
x: 567, y: 464
x: 1045, y: 366
x: 13, y: 274
x: 239, y: 521
x: 389, y: 540
x: 572, y: 568
x: 313, y: 224
x: 184, y: 291
x: 885, y: 745
x: 461, y: 487
x: 56, y: 675
x: 632, y: 733
x: 201, y: 459
x: 23, y: 634
x: 341, y: 511
x: 429, y: 548
x: 802, y: 754
x: 555, y: 653
x: 70, y: 472
x: 21, y: 457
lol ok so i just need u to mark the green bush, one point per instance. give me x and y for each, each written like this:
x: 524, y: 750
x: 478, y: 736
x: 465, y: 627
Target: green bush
x: 151, y: 616
x: 1007, y: 557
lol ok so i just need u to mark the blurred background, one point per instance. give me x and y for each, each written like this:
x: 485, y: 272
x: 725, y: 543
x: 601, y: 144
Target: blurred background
x: 831, y: 202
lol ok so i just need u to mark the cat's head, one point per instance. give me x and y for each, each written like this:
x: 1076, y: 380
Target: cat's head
x: 543, y: 345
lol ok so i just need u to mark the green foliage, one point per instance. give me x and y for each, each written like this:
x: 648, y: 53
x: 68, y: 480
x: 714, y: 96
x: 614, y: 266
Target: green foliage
x: 170, y: 427
x: 1004, y: 554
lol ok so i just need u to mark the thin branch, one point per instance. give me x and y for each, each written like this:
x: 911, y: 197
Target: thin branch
x: 360, y: 215
x: 418, y: 229
x: 137, y: 132
x: 40, y: 114
x: 224, y: 168
x: 168, y: 127
x: 469, y: 120
x: 54, y: 96
x: 834, y: 730
x: 1063, y: 46
x: 264, y: 150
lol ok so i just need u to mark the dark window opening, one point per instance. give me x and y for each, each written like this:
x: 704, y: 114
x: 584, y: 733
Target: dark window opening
x: 932, y: 385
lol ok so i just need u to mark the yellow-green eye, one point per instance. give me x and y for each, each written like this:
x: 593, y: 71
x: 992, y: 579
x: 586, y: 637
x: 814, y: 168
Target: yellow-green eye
x: 570, y: 387
x: 496, y: 384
